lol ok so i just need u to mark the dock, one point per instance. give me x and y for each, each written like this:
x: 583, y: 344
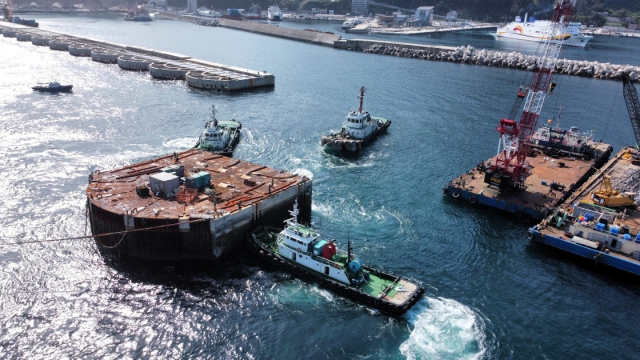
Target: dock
x: 162, y: 65
x: 313, y: 37
x: 555, y: 175
x: 428, y: 30
x: 192, y: 205
x: 590, y: 228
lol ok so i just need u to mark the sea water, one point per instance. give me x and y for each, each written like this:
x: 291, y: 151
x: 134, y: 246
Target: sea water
x: 490, y: 293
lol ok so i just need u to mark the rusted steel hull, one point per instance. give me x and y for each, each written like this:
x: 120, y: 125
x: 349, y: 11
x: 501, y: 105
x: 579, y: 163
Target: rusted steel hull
x: 160, y: 228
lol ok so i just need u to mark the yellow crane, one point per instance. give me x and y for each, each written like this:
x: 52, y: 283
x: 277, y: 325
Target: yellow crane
x: 607, y: 196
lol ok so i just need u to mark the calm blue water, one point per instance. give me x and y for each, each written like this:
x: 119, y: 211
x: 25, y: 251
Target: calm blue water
x: 490, y: 292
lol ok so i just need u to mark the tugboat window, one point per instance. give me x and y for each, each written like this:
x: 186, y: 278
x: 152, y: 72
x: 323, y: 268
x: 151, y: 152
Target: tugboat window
x: 326, y: 270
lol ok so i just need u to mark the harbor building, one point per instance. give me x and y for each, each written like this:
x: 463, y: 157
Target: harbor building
x: 359, y: 7
x: 425, y: 15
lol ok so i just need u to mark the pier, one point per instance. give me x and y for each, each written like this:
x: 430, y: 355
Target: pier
x: 198, y: 74
x: 314, y: 37
x: 428, y: 30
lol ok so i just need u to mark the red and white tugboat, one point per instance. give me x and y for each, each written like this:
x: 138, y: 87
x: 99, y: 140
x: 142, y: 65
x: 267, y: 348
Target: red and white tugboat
x: 299, y: 250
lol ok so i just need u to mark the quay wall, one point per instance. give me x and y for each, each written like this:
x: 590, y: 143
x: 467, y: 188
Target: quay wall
x: 213, y: 238
x: 315, y: 37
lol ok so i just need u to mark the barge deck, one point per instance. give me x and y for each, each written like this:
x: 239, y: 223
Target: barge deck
x: 555, y: 175
x: 189, y: 205
x: 605, y: 235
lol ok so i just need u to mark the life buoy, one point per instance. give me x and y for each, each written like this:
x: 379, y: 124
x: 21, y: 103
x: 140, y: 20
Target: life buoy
x: 473, y: 199
x: 455, y: 195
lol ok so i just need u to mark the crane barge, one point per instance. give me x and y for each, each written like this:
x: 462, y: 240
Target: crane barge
x: 534, y: 170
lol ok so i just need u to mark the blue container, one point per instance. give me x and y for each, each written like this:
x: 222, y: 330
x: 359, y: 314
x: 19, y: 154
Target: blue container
x: 206, y: 178
x: 190, y: 182
x: 355, y: 265
x: 588, y: 216
x: 627, y: 237
x: 638, y: 238
x: 600, y: 227
x: 317, y: 248
x: 614, y: 230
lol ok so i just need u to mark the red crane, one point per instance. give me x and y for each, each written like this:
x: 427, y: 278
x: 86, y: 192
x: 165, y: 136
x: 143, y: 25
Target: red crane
x: 511, y: 169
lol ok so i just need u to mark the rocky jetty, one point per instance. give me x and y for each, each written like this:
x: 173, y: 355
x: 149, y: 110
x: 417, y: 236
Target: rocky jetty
x: 516, y: 60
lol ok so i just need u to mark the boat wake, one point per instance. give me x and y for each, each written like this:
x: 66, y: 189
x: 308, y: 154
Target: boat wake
x: 444, y: 329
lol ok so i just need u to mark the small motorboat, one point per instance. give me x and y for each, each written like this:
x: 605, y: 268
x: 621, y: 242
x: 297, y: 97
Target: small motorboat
x: 53, y: 87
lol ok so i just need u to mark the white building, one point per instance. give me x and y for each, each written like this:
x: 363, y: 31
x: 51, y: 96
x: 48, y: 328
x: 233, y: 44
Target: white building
x: 192, y: 6
x: 424, y: 14
x: 359, y: 7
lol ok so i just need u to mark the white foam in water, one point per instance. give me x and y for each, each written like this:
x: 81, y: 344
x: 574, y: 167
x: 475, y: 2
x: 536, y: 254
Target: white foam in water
x: 444, y: 329
x: 180, y: 143
x: 324, y: 209
x: 302, y: 172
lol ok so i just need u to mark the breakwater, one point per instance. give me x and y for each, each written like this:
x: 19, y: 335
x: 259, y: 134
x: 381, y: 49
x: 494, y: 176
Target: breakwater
x: 198, y: 74
x: 514, y: 60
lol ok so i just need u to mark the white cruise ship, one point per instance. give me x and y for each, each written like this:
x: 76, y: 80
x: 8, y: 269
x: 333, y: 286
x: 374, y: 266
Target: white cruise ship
x: 274, y: 13
x: 535, y: 30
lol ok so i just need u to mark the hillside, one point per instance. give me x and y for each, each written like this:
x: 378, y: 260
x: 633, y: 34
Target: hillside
x: 587, y: 11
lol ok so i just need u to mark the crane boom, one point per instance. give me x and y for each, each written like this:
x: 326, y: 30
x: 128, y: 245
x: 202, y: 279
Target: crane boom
x: 510, y: 169
x: 633, y: 104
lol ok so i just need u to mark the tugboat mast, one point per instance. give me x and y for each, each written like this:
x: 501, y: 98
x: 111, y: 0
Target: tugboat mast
x: 362, y: 90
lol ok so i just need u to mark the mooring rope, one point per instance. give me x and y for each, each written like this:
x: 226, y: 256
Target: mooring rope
x: 107, y: 234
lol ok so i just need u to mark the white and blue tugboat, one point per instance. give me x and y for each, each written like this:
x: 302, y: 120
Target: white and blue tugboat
x: 358, y: 129
x: 300, y: 250
x: 219, y: 136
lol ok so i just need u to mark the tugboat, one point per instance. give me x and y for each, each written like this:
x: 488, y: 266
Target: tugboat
x: 357, y: 130
x: 138, y: 13
x: 219, y: 136
x: 53, y: 87
x: 27, y: 22
x: 299, y: 250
